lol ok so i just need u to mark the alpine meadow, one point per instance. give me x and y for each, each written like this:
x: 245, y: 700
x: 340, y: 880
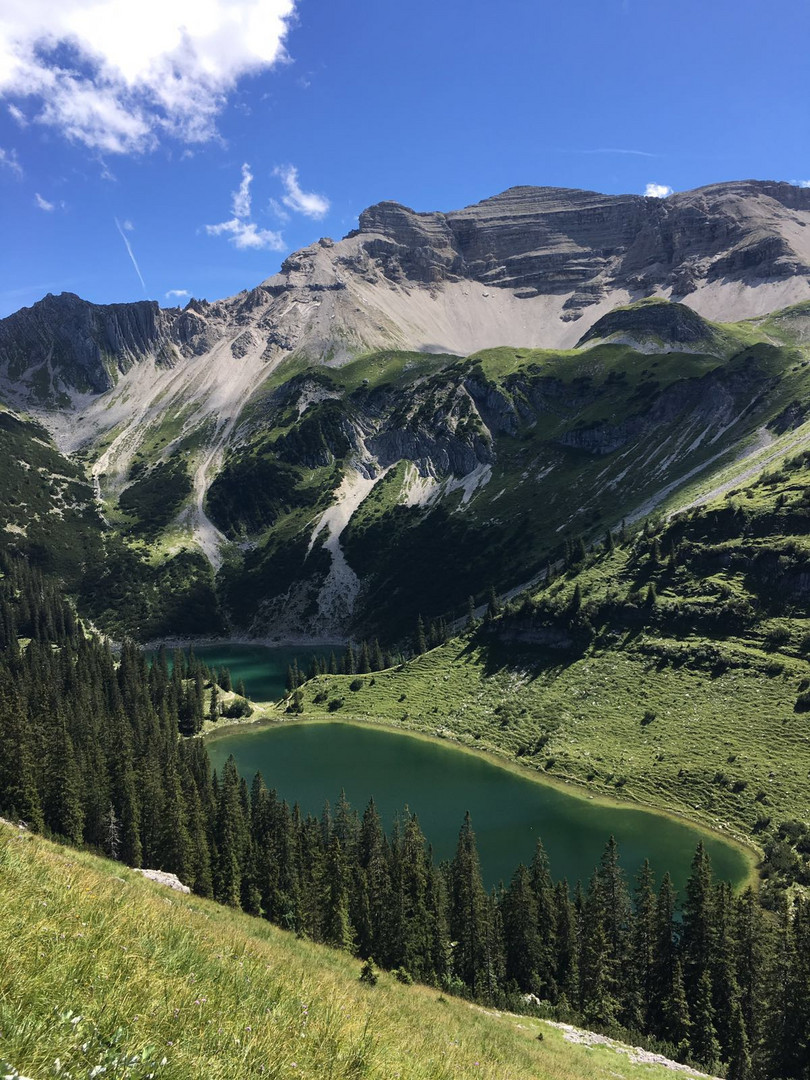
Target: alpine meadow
x: 404, y: 660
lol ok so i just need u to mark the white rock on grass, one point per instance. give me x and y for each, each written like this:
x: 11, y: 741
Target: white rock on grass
x: 162, y: 878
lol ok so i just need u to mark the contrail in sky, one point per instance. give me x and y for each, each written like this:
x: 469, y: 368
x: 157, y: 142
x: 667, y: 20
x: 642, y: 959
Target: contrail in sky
x: 129, y: 249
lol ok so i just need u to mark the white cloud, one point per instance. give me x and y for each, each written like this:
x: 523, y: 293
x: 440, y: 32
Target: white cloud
x: 303, y: 202
x: 115, y: 76
x: 177, y: 294
x: 247, y: 234
x: 130, y: 253
x: 18, y: 115
x: 802, y: 183
x: 657, y: 191
x: 8, y: 160
x: 43, y: 204
x: 127, y: 225
x: 241, y: 198
x: 243, y: 233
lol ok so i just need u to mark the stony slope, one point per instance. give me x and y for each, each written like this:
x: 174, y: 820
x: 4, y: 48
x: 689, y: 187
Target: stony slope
x: 530, y: 267
x: 351, y: 499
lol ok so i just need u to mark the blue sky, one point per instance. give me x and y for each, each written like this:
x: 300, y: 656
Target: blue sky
x: 183, y: 147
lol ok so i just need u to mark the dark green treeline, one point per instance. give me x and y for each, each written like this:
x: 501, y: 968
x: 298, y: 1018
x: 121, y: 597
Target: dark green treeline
x: 92, y: 751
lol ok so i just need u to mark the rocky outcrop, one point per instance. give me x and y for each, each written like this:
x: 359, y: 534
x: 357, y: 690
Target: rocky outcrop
x: 171, y: 881
x: 64, y: 342
x: 558, y: 240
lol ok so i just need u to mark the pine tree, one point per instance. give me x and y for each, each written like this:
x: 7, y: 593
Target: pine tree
x: 63, y: 808
x: 567, y: 946
x: 698, y: 922
x: 663, y: 976
x: 230, y: 833
x: 468, y: 912
x: 704, y: 1046
x: 543, y: 889
x: 521, y: 939
x: 739, y: 1058
x: 337, y: 928
x: 643, y: 947
x: 674, y: 1025
x: 753, y: 939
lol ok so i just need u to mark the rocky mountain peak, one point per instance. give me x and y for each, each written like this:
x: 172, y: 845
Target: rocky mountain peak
x: 532, y: 266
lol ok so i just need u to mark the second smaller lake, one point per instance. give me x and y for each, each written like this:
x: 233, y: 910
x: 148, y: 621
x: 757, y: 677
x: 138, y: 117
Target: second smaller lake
x: 263, y: 669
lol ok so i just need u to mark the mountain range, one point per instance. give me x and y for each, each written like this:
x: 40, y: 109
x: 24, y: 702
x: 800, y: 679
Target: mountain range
x: 426, y: 409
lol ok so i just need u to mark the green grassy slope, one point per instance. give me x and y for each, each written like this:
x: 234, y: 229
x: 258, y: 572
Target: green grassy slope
x: 46, y: 504
x: 672, y: 669
x: 101, y: 970
x: 494, y: 459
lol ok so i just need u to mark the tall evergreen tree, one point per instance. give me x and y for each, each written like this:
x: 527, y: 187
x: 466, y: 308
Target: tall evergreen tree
x: 468, y: 911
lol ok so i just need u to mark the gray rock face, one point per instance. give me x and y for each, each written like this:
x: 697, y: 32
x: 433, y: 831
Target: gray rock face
x: 519, y: 267
x: 84, y: 343
x: 554, y: 239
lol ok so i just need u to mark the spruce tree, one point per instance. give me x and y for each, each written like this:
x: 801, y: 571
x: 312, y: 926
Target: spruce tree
x: 674, y: 1025
x: 703, y: 1042
x: 543, y: 889
x: 468, y: 912
x: 337, y: 927
x: 521, y: 940
x: 739, y: 1057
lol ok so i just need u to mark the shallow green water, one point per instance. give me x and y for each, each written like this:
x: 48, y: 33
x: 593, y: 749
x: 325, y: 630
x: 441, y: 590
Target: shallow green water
x: 311, y: 762
x: 263, y: 670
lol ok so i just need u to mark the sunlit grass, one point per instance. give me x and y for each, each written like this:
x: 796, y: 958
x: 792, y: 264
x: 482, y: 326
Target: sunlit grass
x: 99, y: 966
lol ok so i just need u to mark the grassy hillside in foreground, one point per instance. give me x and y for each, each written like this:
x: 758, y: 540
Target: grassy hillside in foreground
x: 100, y: 969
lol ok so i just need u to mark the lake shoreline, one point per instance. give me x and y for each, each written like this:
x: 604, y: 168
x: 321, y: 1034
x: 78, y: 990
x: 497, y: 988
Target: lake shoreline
x: 570, y: 786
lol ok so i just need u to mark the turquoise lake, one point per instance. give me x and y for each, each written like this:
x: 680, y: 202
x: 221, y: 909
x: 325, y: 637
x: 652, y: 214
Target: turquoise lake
x: 311, y: 762
x: 262, y: 669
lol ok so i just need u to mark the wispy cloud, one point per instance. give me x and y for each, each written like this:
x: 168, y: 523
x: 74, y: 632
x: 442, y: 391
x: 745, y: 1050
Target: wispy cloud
x: 241, y: 197
x: 18, y: 115
x: 617, y: 150
x: 302, y: 202
x: 802, y: 183
x: 8, y: 160
x: 657, y: 191
x: 117, y: 76
x: 177, y: 294
x: 243, y: 233
x: 279, y: 210
x: 130, y: 252
x: 43, y: 204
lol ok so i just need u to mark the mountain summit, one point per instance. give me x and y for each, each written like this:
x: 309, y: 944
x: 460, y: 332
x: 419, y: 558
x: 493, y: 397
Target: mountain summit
x: 533, y: 266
